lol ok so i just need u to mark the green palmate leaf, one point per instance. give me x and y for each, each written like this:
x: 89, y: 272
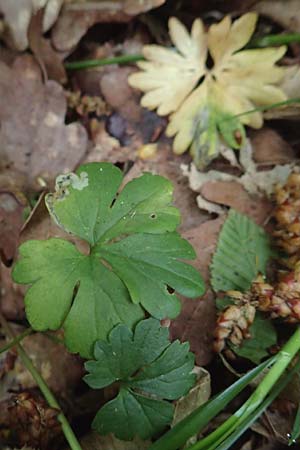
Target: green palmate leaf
x: 133, y: 258
x: 86, y: 205
x: 150, y: 370
x: 54, y: 268
x: 263, y: 336
x: 242, y: 252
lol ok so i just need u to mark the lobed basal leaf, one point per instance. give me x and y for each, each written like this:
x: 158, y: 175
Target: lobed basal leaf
x: 150, y: 370
x: 134, y: 257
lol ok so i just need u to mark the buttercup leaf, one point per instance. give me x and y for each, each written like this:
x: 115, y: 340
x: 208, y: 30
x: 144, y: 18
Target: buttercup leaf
x: 170, y: 76
x: 145, y: 361
x: 133, y: 258
x: 55, y: 268
x: 239, y: 81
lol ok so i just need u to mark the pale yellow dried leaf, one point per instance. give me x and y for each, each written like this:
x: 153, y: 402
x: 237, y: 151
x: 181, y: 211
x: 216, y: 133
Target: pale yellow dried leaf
x: 184, y: 122
x: 169, y: 76
x: 238, y: 82
x: 225, y: 38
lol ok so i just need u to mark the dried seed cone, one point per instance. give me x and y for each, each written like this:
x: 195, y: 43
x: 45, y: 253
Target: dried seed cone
x: 233, y: 325
x: 287, y: 215
x: 280, y: 301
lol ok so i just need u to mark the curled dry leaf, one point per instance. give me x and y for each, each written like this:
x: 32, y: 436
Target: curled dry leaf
x: 198, y: 395
x: 78, y: 16
x: 49, y: 60
x: 222, y: 188
x: 34, y: 137
x: 238, y: 81
x: 18, y: 13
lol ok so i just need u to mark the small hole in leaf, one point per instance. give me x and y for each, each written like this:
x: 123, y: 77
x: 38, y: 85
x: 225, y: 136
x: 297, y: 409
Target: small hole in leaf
x: 153, y: 216
x: 170, y: 290
x: 113, y: 202
x: 201, y: 80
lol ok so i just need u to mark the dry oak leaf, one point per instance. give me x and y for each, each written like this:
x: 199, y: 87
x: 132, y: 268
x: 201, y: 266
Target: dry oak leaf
x: 34, y: 138
x: 238, y: 82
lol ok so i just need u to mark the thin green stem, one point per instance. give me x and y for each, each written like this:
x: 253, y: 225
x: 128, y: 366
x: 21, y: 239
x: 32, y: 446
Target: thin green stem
x: 90, y: 63
x: 283, y: 359
x: 17, y: 339
x: 274, y: 39
x: 54, y: 338
x: 67, y: 430
x: 265, y: 41
x: 290, y: 101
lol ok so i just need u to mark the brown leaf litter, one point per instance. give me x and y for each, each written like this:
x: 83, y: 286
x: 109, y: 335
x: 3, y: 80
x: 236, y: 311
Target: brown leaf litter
x: 34, y: 137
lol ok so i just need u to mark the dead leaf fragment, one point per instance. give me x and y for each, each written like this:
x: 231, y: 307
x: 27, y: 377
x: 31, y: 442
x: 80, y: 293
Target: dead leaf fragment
x: 18, y: 13
x: 284, y: 12
x: 75, y: 20
x: 270, y: 148
x: 234, y: 195
x: 49, y: 60
x: 61, y: 370
x: 34, y: 138
x: 94, y: 441
x: 11, y: 220
x: 197, y: 319
x: 198, y: 395
x: 219, y: 188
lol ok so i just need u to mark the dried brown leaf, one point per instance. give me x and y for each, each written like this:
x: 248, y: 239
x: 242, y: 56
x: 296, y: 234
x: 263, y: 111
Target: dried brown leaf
x: 270, y: 148
x: 75, y: 20
x: 34, y: 138
x: 61, y: 370
x: 234, y: 195
x: 198, y: 395
x: 93, y: 441
x: 284, y: 12
x: 12, y: 295
x: 17, y: 16
x: 49, y: 60
x: 196, y: 322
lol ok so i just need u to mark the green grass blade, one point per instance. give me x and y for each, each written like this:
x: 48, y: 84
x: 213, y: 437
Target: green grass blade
x: 283, y: 382
x: 199, y: 418
x: 296, y: 428
x: 282, y: 360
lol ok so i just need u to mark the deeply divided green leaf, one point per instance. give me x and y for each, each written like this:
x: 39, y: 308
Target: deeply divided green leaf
x: 150, y: 370
x: 56, y: 269
x: 242, y: 252
x: 133, y: 258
